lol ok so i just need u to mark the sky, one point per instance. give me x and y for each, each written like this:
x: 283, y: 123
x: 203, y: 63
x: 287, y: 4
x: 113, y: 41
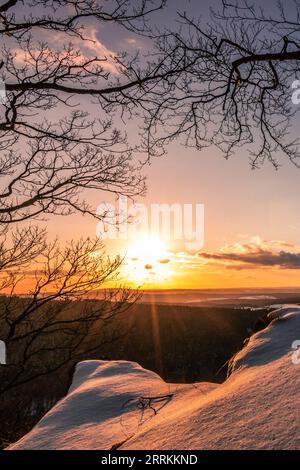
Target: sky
x: 251, y: 218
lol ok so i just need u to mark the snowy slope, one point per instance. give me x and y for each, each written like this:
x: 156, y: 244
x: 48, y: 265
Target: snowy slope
x: 258, y: 407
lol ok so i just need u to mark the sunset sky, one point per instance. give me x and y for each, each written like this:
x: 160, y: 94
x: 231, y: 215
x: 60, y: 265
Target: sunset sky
x: 252, y: 218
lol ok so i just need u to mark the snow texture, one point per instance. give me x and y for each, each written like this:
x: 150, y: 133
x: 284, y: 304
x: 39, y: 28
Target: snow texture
x: 257, y: 407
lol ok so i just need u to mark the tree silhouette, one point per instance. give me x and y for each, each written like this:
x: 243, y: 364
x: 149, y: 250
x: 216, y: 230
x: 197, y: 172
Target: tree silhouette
x: 57, y: 78
x: 235, y: 90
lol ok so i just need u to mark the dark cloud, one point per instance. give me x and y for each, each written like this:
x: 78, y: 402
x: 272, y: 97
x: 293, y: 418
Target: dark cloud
x: 148, y: 266
x: 282, y: 259
x: 164, y: 261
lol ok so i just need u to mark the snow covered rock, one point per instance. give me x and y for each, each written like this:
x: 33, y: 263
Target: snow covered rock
x: 120, y: 404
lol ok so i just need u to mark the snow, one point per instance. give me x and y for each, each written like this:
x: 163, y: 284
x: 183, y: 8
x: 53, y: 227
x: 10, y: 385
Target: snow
x: 257, y: 407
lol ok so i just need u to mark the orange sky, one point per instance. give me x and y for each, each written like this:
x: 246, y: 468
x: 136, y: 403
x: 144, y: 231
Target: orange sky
x: 241, y: 207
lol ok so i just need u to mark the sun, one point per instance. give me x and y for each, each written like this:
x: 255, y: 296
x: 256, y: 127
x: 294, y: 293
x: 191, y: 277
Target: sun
x: 147, y: 261
x: 148, y: 249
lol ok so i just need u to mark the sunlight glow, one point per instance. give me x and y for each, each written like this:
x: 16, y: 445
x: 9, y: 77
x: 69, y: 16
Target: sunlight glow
x: 147, y: 261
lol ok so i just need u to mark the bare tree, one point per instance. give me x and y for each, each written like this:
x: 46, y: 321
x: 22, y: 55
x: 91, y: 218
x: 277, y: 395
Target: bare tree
x: 63, y: 92
x: 234, y: 87
x: 226, y: 83
x: 56, y: 324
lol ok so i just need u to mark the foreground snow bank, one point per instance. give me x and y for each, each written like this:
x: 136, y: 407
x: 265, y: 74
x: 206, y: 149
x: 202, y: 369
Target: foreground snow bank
x: 119, y: 404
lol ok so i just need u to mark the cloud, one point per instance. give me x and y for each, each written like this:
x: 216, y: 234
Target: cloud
x: 91, y: 48
x: 131, y: 41
x: 136, y: 43
x: 164, y: 261
x: 97, y: 48
x: 256, y: 253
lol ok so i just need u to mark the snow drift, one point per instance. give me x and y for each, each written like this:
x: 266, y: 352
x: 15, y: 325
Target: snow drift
x: 119, y: 404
